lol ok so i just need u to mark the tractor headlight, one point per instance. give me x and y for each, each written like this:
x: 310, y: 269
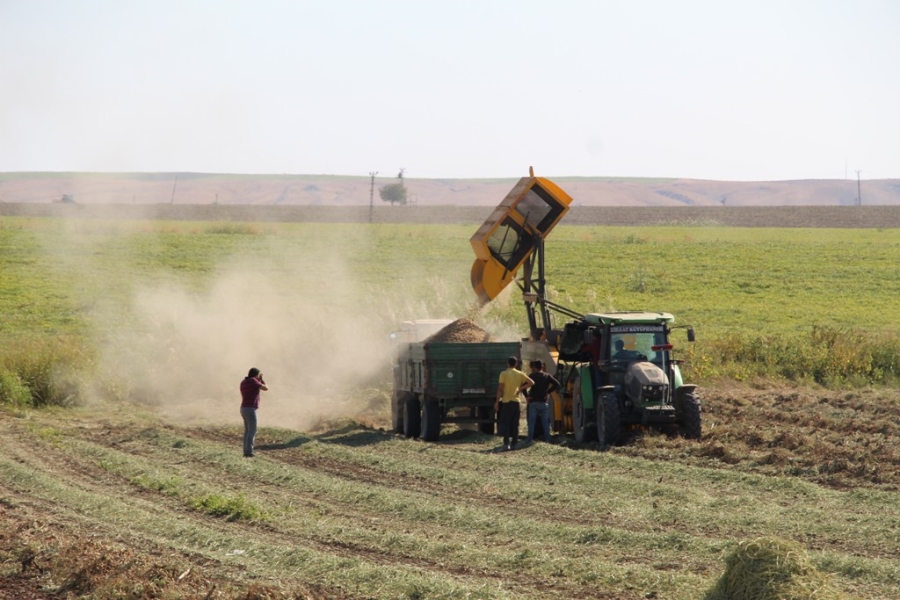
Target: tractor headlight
x: 653, y: 393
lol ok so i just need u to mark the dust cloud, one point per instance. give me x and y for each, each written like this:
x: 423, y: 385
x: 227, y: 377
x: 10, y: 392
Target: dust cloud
x: 319, y: 335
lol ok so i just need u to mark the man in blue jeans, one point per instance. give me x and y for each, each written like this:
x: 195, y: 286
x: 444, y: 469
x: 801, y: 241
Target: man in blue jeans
x: 250, y: 387
x: 544, y: 385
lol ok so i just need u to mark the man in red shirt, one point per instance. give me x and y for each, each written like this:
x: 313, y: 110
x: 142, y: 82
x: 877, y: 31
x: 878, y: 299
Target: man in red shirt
x: 250, y: 388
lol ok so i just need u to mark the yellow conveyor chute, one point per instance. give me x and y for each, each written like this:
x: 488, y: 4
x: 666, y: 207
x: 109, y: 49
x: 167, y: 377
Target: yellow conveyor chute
x: 509, y: 236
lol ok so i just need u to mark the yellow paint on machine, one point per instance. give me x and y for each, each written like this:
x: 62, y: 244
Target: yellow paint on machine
x: 509, y: 235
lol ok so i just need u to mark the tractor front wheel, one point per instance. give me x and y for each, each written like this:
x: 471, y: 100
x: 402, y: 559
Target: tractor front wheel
x: 689, y: 424
x: 609, y: 420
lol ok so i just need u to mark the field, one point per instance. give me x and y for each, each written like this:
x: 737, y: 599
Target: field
x: 121, y: 474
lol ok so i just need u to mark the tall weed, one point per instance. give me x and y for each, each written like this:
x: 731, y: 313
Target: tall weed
x: 42, y: 372
x: 830, y: 356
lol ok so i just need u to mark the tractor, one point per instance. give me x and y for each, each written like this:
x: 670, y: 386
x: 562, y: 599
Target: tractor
x: 618, y: 369
x: 620, y: 373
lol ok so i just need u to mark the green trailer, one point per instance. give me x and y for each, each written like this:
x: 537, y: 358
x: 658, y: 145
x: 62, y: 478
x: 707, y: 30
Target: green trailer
x: 436, y: 383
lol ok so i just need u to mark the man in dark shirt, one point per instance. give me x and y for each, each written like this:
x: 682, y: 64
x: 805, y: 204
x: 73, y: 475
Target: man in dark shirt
x: 544, y: 385
x: 250, y: 388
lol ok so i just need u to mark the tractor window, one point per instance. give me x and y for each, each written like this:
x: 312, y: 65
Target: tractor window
x: 509, y: 244
x: 539, y: 209
x: 628, y: 346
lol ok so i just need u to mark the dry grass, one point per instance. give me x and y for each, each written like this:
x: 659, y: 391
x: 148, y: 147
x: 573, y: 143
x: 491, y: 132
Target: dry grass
x: 356, y: 512
x: 772, y: 569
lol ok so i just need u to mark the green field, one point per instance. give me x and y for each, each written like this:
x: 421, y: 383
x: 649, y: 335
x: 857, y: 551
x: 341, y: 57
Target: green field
x: 120, y: 467
x: 801, y: 304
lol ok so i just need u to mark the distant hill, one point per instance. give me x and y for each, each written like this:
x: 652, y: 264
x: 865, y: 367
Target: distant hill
x: 332, y: 190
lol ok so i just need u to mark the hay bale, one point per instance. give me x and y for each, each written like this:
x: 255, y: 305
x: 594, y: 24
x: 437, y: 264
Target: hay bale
x: 460, y: 331
x: 772, y: 569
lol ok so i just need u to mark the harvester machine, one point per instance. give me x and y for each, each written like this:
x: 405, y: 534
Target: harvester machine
x: 618, y: 369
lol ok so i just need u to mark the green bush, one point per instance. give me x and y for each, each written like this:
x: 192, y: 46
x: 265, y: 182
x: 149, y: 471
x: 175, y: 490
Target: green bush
x: 13, y: 391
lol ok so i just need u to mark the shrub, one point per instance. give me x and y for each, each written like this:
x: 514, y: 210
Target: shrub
x: 13, y: 391
x: 42, y: 372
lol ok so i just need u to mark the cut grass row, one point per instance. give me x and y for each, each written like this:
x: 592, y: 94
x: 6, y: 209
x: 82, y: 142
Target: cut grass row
x: 380, y: 516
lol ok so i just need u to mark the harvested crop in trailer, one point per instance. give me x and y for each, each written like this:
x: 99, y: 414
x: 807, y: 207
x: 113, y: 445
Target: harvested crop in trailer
x: 460, y: 331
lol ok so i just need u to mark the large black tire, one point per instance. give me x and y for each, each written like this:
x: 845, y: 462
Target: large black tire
x: 609, y: 419
x: 398, y: 399
x: 412, y: 417
x: 486, y: 412
x: 689, y: 422
x: 583, y: 426
x: 431, y: 420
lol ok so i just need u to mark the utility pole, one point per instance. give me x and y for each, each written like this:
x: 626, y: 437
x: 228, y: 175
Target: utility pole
x: 858, y: 190
x: 372, y: 174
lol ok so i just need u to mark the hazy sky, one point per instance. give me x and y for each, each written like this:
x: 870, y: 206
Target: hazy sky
x: 729, y: 90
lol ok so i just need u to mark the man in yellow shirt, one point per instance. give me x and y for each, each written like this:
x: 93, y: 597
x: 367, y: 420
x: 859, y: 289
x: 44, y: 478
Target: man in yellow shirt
x: 511, y: 384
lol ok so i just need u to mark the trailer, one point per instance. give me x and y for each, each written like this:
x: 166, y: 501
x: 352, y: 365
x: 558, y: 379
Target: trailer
x: 437, y: 383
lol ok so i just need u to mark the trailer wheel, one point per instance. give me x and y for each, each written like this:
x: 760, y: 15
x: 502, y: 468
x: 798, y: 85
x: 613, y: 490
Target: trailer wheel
x: 412, y: 417
x: 431, y: 417
x: 609, y: 420
x: 485, y: 413
x: 398, y: 400
x: 583, y: 426
x: 689, y: 423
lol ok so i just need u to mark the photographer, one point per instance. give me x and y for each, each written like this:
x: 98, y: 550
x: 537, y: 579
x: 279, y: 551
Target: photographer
x: 250, y: 388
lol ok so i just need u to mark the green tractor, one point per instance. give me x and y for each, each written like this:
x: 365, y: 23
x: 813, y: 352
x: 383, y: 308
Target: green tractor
x: 617, y: 368
x: 619, y: 373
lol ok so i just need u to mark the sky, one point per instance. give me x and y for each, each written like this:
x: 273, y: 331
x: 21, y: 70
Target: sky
x: 755, y: 90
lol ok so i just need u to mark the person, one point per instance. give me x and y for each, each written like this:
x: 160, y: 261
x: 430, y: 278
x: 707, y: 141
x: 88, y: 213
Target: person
x: 250, y: 388
x: 508, y: 408
x: 621, y: 352
x: 538, y: 395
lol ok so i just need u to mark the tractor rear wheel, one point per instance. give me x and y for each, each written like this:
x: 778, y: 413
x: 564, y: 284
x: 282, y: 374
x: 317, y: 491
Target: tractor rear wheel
x: 431, y: 420
x: 412, y: 417
x: 582, y: 419
x: 609, y: 419
x: 689, y: 424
